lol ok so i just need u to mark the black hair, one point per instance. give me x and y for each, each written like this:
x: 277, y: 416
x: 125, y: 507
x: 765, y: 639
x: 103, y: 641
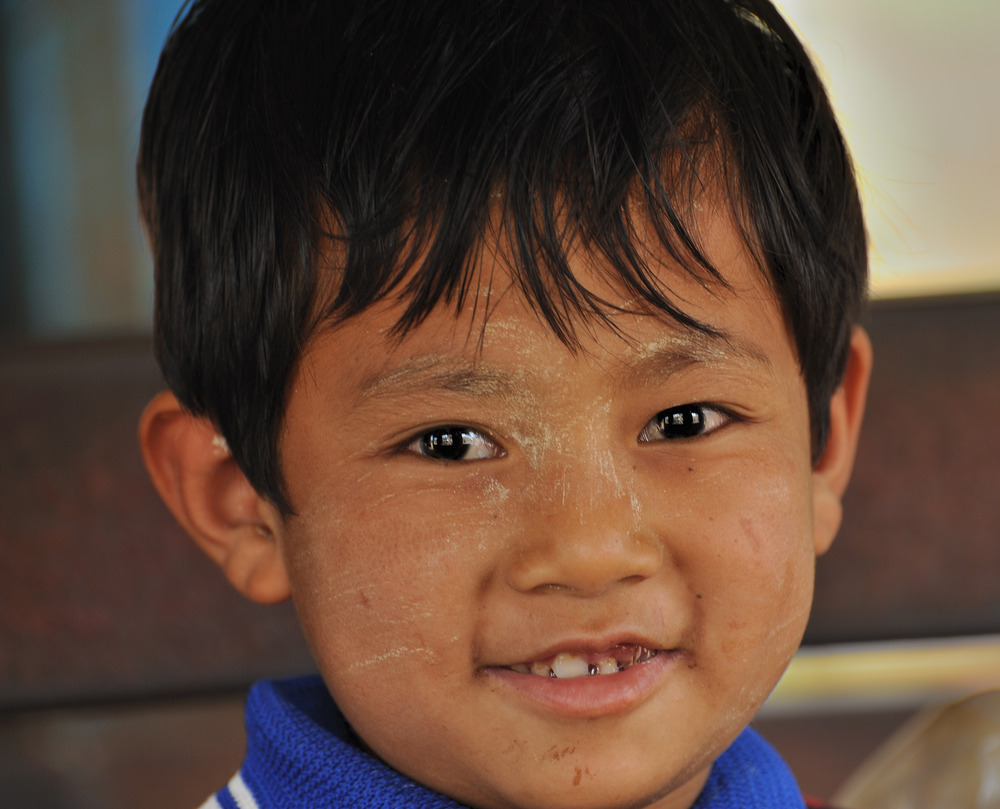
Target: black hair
x: 279, y: 133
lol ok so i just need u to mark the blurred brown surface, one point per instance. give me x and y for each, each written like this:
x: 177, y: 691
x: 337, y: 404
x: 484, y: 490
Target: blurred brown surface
x: 102, y: 597
x: 169, y: 755
x: 104, y: 601
x: 919, y: 551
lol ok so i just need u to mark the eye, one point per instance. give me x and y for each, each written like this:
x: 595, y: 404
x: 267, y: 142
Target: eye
x: 685, y: 421
x: 455, y: 443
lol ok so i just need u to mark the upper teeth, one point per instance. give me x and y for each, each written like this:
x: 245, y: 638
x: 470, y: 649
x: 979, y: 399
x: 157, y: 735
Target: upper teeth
x: 569, y: 664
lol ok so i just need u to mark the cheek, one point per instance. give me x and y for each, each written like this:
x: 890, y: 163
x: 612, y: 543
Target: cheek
x: 752, y: 562
x: 386, y: 589
x: 776, y: 551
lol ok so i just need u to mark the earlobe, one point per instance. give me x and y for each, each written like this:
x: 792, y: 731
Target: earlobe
x: 833, y: 470
x: 207, y: 492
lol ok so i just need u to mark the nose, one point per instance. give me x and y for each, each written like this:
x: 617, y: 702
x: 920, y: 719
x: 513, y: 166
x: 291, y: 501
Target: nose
x: 584, y: 539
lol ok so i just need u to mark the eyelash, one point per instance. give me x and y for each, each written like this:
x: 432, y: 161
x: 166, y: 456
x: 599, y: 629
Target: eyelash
x: 684, y: 422
x: 453, y: 443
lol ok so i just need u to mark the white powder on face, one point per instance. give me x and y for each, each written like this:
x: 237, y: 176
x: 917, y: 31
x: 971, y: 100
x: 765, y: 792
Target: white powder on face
x: 680, y: 349
x: 495, y: 493
x: 636, y: 505
x: 392, y: 654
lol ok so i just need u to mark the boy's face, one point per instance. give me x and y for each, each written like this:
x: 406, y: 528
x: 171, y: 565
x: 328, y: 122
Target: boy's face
x: 570, y: 524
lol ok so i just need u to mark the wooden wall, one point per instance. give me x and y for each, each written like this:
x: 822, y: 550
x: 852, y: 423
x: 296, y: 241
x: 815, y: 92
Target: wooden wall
x: 102, y: 597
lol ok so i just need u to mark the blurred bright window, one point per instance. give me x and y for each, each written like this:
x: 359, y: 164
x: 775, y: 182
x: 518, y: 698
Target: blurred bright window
x: 917, y: 87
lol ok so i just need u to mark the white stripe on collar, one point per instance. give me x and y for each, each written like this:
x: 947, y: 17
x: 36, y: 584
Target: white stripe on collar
x: 241, y: 793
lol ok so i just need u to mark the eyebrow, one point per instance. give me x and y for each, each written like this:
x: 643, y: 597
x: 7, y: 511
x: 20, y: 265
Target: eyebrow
x: 440, y: 373
x: 683, y: 350
x: 646, y: 365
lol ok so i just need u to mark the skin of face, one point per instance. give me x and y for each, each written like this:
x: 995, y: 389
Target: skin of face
x: 572, y: 523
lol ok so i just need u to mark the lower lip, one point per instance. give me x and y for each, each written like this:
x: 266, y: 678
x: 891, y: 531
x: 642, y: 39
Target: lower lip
x: 591, y: 695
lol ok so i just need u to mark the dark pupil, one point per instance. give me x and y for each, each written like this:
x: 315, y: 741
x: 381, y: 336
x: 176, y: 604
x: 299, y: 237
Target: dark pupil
x: 448, y: 443
x: 681, y: 422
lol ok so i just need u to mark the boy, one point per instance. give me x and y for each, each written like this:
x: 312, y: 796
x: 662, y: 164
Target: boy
x: 516, y: 343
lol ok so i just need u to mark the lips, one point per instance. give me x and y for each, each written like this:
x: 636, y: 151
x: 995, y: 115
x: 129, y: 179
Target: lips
x: 571, y: 664
x: 587, y: 679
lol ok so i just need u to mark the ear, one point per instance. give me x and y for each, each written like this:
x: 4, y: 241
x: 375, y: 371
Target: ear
x: 195, y: 474
x: 833, y: 470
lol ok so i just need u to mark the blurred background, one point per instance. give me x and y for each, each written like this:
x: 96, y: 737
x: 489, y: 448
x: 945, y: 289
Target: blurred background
x: 73, y: 76
x: 915, y: 82
x: 123, y: 657
x: 917, y: 89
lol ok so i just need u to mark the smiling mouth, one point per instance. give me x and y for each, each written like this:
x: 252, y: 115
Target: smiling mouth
x: 567, y: 665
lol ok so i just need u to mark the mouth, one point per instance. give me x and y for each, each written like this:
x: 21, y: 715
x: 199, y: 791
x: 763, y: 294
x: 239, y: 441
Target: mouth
x: 588, y: 680
x: 569, y: 665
